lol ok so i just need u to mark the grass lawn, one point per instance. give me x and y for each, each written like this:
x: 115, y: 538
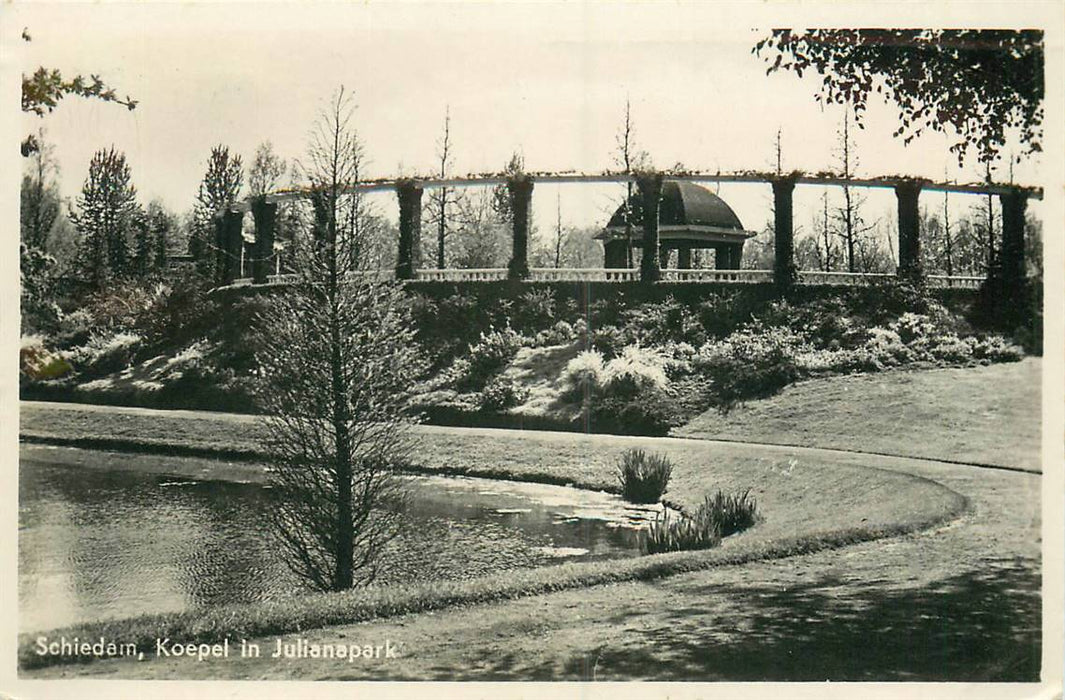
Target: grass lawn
x: 810, y: 500
x: 982, y: 415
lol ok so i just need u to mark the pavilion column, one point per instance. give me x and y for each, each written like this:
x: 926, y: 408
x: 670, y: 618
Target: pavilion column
x: 684, y: 257
x: 784, y: 272
x: 232, y: 241
x: 614, y: 254
x: 650, y: 186
x: 410, y: 226
x: 520, y: 189
x: 663, y: 257
x: 732, y: 256
x: 1014, y: 204
x: 265, y: 215
x: 908, y: 192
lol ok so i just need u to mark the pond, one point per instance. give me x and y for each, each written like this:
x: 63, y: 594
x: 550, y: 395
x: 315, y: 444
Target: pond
x: 98, y: 542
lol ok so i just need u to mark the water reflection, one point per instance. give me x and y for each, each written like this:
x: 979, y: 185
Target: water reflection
x: 96, y: 543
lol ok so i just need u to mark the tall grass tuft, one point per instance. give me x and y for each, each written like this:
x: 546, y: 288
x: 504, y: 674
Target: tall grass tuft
x: 678, y: 533
x: 643, y: 477
x: 719, y: 516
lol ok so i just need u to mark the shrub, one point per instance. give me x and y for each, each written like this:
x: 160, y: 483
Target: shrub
x: 583, y: 375
x: 559, y: 334
x: 501, y: 394
x: 997, y: 349
x: 36, y: 362
x: 104, y: 354
x: 489, y: 356
x: 643, y: 476
x: 753, y: 362
x: 650, y: 413
x: 611, y: 340
x: 534, y: 310
x: 637, y: 370
x: 657, y: 323
x: 719, y: 516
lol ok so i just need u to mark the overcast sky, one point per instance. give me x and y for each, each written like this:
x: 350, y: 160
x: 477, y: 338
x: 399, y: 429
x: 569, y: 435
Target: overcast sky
x: 548, y: 80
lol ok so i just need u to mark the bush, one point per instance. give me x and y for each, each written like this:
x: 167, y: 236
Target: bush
x: 651, y: 413
x: 534, y: 310
x: 611, y: 340
x: 36, y: 362
x: 559, y: 334
x: 643, y: 477
x: 718, y: 516
x: 583, y: 375
x: 501, y: 394
x: 637, y: 370
x: 490, y: 356
x: 104, y: 354
x: 753, y: 362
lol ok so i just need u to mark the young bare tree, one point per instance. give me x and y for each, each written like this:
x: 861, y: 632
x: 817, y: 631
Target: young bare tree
x: 443, y: 201
x: 852, y: 226
x: 267, y: 169
x: 337, y: 358
x: 631, y: 159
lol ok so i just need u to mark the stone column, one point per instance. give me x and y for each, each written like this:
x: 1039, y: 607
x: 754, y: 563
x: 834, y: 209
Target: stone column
x: 232, y: 223
x: 1011, y: 256
x: 664, y: 254
x: 263, y: 261
x: 784, y: 272
x: 650, y: 186
x: 684, y: 257
x: 520, y: 188
x: 908, y: 192
x: 410, y: 225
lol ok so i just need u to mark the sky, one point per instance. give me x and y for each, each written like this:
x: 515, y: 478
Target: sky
x: 548, y: 80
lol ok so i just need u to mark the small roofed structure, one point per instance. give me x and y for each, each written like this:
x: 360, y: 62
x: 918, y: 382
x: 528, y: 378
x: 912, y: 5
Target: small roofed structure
x: 689, y: 217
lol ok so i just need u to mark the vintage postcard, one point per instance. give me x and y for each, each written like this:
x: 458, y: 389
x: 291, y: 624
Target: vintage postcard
x: 565, y: 345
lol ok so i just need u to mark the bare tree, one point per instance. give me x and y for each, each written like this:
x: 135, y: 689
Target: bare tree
x: 442, y: 200
x: 337, y: 357
x: 267, y: 169
x: 824, y: 248
x: 851, y: 224
x: 631, y: 159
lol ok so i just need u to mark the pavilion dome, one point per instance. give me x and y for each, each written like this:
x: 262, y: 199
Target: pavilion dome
x: 684, y: 204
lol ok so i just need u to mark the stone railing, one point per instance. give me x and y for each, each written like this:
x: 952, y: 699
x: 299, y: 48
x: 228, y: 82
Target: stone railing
x: 956, y: 282
x: 551, y: 274
x: 734, y: 276
x: 472, y: 275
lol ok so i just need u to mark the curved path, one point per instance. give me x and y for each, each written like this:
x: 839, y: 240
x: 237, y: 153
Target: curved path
x: 958, y: 602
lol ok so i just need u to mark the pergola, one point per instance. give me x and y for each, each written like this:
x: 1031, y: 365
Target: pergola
x: 649, y: 192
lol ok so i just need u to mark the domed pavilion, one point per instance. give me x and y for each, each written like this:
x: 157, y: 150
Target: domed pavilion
x: 689, y: 217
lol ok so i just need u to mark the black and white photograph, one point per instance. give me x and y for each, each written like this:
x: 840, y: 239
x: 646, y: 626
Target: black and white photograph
x: 649, y: 349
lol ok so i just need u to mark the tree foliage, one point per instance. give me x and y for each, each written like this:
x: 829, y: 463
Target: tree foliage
x: 106, y: 212
x: 43, y: 89
x: 981, y: 83
x: 266, y: 171
x: 337, y: 355
x: 219, y: 188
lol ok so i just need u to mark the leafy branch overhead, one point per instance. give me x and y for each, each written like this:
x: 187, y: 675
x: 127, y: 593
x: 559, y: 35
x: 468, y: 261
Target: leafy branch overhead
x: 43, y: 90
x: 980, y: 83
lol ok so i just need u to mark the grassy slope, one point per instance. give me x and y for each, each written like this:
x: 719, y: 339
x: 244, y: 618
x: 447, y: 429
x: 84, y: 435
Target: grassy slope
x: 984, y: 415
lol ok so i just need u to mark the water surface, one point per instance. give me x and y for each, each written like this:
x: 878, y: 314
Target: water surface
x: 98, y: 542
